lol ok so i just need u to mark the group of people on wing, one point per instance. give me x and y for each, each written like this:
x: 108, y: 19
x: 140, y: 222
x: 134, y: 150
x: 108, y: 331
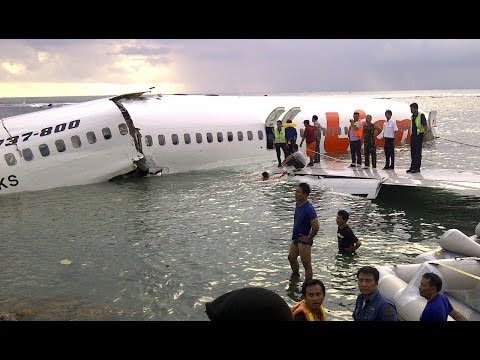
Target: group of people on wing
x: 285, y: 139
x: 359, y: 131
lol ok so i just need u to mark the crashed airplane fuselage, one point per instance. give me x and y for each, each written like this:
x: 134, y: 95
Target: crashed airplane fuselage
x: 140, y: 134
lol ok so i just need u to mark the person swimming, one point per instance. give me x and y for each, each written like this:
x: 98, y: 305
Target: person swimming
x: 266, y: 175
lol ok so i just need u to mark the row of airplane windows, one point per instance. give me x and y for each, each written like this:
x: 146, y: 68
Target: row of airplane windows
x: 44, y: 149
x: 199, y: 137
x: 60, y: 145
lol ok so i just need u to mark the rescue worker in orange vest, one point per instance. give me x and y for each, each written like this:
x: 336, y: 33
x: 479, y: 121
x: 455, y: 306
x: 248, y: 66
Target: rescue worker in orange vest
x: 355, y: 132
x: 310, y: 308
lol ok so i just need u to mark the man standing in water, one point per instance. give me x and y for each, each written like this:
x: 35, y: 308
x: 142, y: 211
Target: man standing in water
x: 305, y: 228
x: 347, y: 241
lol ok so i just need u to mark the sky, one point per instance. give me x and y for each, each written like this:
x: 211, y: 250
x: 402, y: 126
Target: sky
x: 83, y: 67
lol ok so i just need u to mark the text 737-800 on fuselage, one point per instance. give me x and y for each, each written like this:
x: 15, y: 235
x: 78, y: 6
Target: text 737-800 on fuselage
x: 97, y: 140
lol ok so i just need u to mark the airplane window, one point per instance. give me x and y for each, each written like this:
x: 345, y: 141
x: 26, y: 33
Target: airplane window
x: 60, y: 144
x: 219, y: 136
x: 27, y: 154
x: 10, y: 159
x: 331, y: 131
x: 339, y: 130
x: 187, y: 138
x: 209, y: 137
x: 91, y: 138
x: 346, y: 130
x: 240, y: 135
x: 123, y: 129
x: 148, y: 140
x: 229, y: 136
x: 199, y: 138
x: 260, y: 135
x: 76, y: 142
x: 249, y: 135
x: 175, y: 139
x: 44, y: 150
x: 161, y: 139
x: 107, y: 134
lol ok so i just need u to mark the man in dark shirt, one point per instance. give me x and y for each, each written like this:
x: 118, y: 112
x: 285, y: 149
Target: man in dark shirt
x: 419, y: 126
x: 305, y: 228
x: 370, y: 304
x: 438, y: 306
x: 347, y: 241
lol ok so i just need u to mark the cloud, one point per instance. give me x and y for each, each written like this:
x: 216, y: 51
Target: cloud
x: 13, y: 68
x: 246, y: 65
x: 144, y: 50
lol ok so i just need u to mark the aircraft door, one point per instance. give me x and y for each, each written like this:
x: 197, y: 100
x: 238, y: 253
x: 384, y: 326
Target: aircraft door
x: 290, y: 114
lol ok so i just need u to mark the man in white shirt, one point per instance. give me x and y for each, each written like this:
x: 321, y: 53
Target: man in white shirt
x: 389, y: 128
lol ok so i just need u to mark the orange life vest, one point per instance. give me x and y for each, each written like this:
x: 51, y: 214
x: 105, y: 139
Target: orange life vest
x: 302, y: 307
x: 357, y: 132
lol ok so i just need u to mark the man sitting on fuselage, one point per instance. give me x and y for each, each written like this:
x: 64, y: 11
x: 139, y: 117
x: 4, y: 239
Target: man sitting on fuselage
x: 296, y: 159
